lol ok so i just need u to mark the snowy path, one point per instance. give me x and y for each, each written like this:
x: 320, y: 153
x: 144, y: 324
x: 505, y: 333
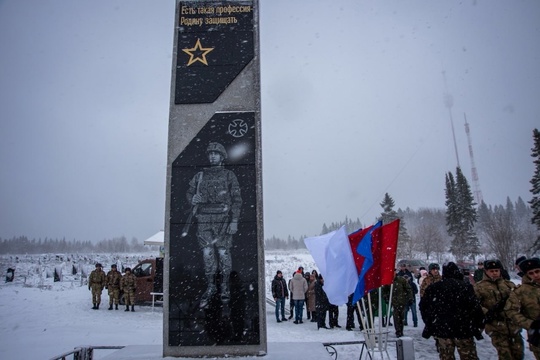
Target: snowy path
x: 39, y: 324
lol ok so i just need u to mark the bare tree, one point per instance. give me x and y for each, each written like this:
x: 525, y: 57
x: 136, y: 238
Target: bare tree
x: 500, y: 230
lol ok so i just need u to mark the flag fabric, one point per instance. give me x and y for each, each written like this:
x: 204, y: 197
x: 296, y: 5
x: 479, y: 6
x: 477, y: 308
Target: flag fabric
x: 354, y: 241
x: 361, y: 247
x: 334, y: 259
x: 378, y: 267
x: 384, y: 246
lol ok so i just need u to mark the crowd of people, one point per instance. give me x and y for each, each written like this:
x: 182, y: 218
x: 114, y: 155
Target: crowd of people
x: 455, y: 309
x: 115, y: 283
x: 305, y: 289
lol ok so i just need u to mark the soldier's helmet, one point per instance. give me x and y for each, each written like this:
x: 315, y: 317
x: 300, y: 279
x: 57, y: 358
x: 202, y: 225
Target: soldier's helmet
x: 217, y: 147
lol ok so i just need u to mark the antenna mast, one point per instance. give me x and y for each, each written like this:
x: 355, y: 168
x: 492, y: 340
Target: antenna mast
x: 449, y: 102
x: 476, y: 183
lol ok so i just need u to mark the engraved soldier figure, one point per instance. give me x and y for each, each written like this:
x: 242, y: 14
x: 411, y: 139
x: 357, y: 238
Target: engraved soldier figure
x: 96, y: 282
x: 215, y: 196
x: 113, y: 286
x: 128, y: 285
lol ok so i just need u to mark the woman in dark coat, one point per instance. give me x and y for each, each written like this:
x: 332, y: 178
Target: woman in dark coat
x: 321, y: 303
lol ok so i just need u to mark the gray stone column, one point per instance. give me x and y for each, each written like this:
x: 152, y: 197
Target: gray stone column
x: 214, y: 303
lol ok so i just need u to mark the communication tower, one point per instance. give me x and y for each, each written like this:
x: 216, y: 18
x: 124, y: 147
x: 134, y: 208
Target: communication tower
x: 476, y: 184
x: 449, y: 102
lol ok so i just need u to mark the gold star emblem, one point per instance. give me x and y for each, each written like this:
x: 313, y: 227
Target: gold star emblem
x: 197, y: 53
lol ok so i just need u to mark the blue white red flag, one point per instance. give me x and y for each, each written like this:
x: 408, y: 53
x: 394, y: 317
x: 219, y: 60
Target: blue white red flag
x: 361, y: 246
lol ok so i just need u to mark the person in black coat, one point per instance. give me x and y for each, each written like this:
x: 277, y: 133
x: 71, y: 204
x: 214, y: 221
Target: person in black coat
x: 452, y: 314
x: 280, y: 293
x: 322, y: 303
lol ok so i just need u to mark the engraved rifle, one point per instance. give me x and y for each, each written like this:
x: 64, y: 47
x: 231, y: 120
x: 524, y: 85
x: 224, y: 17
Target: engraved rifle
x: 194, y: 209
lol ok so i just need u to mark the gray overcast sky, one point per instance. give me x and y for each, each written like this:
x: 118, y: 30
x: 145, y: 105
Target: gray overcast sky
x: 352, y: 107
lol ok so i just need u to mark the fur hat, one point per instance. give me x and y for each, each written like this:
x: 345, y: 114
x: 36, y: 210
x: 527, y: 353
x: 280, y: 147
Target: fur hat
x: 520, y: 259
x: 529, y: 264
x: 492, y: 264
x: 451, y: 271
x: 433, y: 266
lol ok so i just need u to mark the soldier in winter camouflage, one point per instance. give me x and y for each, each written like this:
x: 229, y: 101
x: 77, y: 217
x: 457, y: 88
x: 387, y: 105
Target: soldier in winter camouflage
x: 493, y: 292
x: 96, y: 282
x: 128, y: 285
x: 402, y: 295
x: 215, y: 196
x: 523, y: 305
x: 432, y: 277
x: 113, y: 286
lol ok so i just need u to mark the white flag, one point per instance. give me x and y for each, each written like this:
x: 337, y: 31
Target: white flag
x: 333, y: 256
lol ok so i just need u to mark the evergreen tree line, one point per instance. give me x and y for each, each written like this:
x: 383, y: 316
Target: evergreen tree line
x: 464, y: 228
x: 23, y: 245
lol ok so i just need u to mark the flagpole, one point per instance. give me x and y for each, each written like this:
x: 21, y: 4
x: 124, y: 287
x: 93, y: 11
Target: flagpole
x: 362, y: 314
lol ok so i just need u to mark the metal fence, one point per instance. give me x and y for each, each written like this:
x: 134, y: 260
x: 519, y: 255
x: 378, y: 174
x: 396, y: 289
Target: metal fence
x: 84, y: 352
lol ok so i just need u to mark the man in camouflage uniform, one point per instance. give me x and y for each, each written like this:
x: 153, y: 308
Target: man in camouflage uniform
x: 402, y: 296
x: 128, y: 285
x: 493, y: 291
x: 433, y: 277
x: 523, y: 305
x: 452, y: 314
x: 96, y: 282
x: 113, y: 286
x: 216, y: 199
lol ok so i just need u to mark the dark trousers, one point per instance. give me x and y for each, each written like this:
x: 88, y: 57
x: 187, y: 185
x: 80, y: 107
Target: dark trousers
x: 333, y: 314
x: 321, y: 318
x: 351, y: 310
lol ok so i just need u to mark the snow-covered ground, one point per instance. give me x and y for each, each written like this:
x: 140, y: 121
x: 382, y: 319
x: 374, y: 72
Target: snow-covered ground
x: 41, y: 318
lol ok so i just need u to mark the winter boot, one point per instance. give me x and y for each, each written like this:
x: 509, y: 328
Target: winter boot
x: 94, y: 307
x: 110, y: 306
x: 132, y: 307
x: 205, y: 299
x: 116, y: 306
x: 225, y: 294
x: 127, y: 308
x: 97, y: 306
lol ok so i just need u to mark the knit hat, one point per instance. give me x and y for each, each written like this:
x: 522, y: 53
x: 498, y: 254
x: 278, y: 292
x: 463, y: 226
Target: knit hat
x: 423, y: 272
x: 433, y: 266
x: 529, y: 264
x: 492, y: 264
x: 451, y: 271
x: 279, y: 272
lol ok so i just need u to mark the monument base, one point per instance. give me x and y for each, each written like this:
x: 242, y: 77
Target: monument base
x: 276, y: 351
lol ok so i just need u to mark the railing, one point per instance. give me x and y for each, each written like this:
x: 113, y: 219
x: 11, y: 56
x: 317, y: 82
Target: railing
x: 84, y: 352
x: 330, y: 347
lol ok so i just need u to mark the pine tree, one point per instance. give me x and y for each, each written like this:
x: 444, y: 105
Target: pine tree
x: 388, y: 215
x: 535, y: 182
x: 461, y: 216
